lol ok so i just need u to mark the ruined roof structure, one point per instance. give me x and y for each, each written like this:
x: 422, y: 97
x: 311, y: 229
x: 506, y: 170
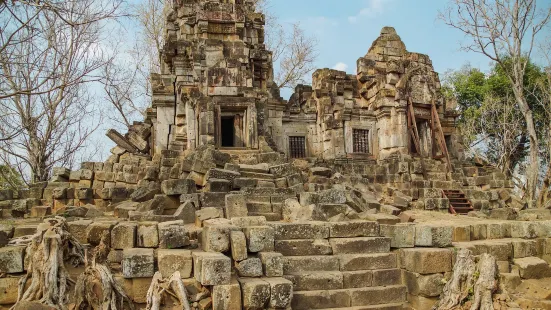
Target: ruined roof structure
x: 352, y: 194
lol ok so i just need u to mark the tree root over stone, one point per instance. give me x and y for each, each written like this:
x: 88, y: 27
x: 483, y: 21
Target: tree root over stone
x: 96, y: 287
x: 472, y: 284
x: 173, y: 287
x: 49, y: 249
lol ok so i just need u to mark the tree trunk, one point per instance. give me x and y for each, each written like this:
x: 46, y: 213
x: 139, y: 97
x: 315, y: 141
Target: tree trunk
x: 532, y: 171
x: 49, y: 249
x: 472, y: 285
x: 544, y: 191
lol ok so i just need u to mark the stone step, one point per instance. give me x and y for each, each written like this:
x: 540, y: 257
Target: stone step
x: 259, y: 207
x: 397, y: 306
x: 313, y: 263
x: 315, y: 281
x: 360, y: 245
x: 346, y: 298
x: 270, y: 216
x: 265, y: 191
x: 259, y: 168
x: 257, y: 175
x: 331, y: 280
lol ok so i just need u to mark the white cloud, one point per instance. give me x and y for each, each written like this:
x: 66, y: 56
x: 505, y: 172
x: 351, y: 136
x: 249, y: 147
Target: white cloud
x: 373, y: 9
x: 341, y: 66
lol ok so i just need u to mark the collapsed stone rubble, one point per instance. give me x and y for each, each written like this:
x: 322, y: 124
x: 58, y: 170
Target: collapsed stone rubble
x: 321, y: 202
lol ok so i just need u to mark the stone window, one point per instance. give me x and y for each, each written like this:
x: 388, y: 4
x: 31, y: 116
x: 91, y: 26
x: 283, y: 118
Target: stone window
x: 360, y: 140
x: 297, y: 147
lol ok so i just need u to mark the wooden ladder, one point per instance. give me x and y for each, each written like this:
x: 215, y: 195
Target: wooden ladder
x: 459, y: 204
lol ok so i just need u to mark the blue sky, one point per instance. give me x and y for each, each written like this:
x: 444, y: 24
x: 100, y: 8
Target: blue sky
x: 345, y: 30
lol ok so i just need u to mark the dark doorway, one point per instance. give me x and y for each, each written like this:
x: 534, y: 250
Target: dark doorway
x: 227, y: 131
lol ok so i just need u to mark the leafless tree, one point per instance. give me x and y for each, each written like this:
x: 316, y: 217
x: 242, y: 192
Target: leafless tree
x: 293, y: 51
x: 505, y: 31
x: 47, y: 60
x: 124, y: 91
x: 127, y: 84
x: 544, y: 90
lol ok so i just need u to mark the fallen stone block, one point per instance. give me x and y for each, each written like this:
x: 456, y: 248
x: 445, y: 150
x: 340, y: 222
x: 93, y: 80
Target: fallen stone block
x: 255, y: 293
x: 96, y: 230
x: 216, y: 238
x: 259, y: 238
x: 250, y: 267
x: 281, y: 292
x: 138, y: 263
x: 238, y: 245
x: 9, y: 288
x: 227, y: 297
x: 235, y: 206
x: 170, y: 261
x: 207, y: 214
x: 248, y: 221
x: 532, y: 267
x: 172, y: 235
x: 123, y: 235
x: 272, y: 263
x: 211, y: 268
x: 178, y: 187
x: 147, y: 235
x: 12, y: 259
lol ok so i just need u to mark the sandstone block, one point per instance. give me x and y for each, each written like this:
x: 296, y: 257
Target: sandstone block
x: 178, y: 187
x: 272, y: 263
x: 172, y: 235
x: 360, y: 245
x: 380, y: 218
x: 301, y: 264
x: 433, y: 236
x: 355, y: 262
x: 356, y: 228
x: 211, y: 268
x: 123, y: 235
x: 147, y: 235
x: 259, y: 238
x: 302, y: 247
x: 378, y: 295
x: 420, y: 302
x: 207, y: 214
x: 138, y: 263
x: 250, y: 267
x: 424, y: 285
x: 255, y: 293
x: 170, y: 261
x: 248, y: 221
x: 96, y: 230
x: 235, y: 206
x: 532, y: 267
x: 281, y: 292
x: 78, y: 230
x: 387, y: 277
x: 401, y: 235
x: 11, y: 259
x: 357, y: 279
x: 8, y: 290
x: 216, y: 238
x: 426, y: 260
x: 306, y: 300
x: 309, y: 230
x: 226, y: 297
x: 238, y: 245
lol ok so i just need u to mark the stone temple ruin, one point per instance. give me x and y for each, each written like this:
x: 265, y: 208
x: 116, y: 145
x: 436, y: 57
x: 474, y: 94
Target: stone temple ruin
x: 353, y: 194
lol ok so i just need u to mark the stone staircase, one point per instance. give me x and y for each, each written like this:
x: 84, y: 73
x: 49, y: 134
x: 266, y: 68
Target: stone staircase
x: 342, y: 265
x: 267, y: 196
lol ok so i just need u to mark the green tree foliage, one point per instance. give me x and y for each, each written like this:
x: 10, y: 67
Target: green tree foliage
x: 10, y: 178
x: 490, y: 121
